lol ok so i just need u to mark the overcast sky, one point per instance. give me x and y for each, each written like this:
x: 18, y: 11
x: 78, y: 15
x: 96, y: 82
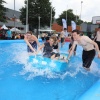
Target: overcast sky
x: 90, y: 8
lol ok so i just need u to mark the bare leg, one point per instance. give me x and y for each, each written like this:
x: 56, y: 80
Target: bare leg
x: 88, y: 69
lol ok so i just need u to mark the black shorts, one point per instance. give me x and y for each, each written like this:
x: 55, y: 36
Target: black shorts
x: 70, y: 45
x: 87, y: 58
x: 48, y: 55
x: 98, y: 44
x: 62, y: 40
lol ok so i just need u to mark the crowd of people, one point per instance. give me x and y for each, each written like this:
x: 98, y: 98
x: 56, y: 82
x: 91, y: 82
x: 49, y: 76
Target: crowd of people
x: 9, y: 35
x: 50, y: 47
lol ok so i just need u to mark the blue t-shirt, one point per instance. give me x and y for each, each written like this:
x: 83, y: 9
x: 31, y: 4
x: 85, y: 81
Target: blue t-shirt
x: 9, y: 33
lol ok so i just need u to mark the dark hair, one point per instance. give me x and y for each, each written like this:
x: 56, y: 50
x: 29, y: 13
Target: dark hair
x: 29, y: 32
x: 77, y: 31
x: 65, y: 28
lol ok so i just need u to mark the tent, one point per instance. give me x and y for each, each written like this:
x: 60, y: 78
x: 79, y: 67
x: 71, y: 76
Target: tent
x: 15, y: 29
x: 4, y: 27
x: 48, y: 30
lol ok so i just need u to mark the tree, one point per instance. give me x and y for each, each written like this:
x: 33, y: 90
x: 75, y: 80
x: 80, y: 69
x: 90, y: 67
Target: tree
x: 37, y: 8
x: 2, y: 11
x: 70, y: 17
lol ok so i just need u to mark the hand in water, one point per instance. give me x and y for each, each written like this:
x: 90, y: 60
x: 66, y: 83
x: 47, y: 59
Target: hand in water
x: 98, y: 55
x: 67, y: 60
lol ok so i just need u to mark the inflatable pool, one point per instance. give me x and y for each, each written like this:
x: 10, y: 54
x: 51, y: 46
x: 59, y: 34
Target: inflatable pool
x: 93, y: 93
x: 47, y: 63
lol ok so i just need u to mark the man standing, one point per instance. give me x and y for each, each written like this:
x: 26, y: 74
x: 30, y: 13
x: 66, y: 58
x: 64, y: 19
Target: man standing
x: 9, y: 34
x: 63, y: 36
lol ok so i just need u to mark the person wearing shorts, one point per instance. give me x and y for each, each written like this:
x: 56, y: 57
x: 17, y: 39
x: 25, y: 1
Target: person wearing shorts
x: 88, y: 46
x: 31, y: 41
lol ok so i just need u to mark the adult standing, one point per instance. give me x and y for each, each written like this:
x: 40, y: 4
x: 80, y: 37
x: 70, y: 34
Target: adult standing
x: 63, y: 36
x: 9, y: 34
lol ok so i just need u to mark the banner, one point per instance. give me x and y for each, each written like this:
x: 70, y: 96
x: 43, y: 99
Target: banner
x: 64, y: 23
x: 73, y: 24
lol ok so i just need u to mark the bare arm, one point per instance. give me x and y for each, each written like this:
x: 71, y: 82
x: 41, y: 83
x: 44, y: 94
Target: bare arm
x: 29, y: 45
x: 71, y: 51
x: 27, y: 42
x: 42, y: 46
x: 36, y: 40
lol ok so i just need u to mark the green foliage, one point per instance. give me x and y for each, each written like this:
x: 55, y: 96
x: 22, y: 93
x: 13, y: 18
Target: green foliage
x: 2, y: 11
x: 70, y: 17
x: 37, y: 8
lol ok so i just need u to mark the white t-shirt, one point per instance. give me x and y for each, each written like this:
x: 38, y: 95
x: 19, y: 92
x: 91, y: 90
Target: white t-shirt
x: 85, y: 42
x: 64, y: 34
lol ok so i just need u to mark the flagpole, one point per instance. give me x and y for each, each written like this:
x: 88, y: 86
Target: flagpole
x: 66, y: 16
x: 66, y: 13
x: 51, y: 20
x: 81, y: 10
x: 76, y: 15
x: 27, y: 16
x: 14, y: 13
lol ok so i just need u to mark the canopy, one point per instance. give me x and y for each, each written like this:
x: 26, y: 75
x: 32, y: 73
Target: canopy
x: 15, y: 29
x: 4, y: 27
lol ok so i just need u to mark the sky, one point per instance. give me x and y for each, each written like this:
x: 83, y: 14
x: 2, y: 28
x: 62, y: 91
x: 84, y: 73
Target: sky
x: 89, y: 9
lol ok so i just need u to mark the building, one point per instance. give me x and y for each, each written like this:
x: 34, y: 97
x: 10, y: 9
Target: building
x: 13, y: 20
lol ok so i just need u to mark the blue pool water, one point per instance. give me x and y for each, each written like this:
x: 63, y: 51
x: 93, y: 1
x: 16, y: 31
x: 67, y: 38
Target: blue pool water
x: 19, y: 80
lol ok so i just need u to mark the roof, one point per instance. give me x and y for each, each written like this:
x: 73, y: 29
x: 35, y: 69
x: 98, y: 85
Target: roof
x: 10, y: 13
x: 11, y: 23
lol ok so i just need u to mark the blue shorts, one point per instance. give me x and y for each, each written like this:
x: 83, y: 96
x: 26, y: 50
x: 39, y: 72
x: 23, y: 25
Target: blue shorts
x: 34, y: 45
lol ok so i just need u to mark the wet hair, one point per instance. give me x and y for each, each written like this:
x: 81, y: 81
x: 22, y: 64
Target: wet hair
x: 53, y: 37
x: 29, y: 32
x: 77, y: 31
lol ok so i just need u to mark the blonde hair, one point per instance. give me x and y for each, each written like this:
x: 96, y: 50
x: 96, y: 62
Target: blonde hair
x: 54, y: 38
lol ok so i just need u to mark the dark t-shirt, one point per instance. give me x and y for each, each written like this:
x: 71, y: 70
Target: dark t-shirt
x: 47, y: 47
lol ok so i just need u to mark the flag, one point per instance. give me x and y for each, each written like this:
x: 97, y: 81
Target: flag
x: 64, y: 23
x: 73, y: 24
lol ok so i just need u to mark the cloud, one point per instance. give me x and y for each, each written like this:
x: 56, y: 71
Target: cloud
x: 90, y: 8
x: 18, y: 4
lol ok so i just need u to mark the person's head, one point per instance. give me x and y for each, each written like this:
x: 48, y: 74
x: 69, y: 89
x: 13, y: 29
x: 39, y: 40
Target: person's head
x: 65, y: 29
x: 29, y: 33
x: 76, y: 34
x: 52, y: 40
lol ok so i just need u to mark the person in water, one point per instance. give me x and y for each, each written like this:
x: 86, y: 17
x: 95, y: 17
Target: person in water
x: 56, y: 45
x: 89, y: 47
x: 70, y: 45
x: 48, y: 49
x: 31, y: 41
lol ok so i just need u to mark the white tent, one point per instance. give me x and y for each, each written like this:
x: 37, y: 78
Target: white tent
x: 48, y: 30
x: 4, y: 27
x: 15, y: 29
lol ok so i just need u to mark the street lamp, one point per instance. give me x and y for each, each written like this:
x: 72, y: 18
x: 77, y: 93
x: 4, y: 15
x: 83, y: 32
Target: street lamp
x: 51, y: 19
x: 39, y: 24
x: 81, y: 10
x: 27, y: 16
x: 66, y: 13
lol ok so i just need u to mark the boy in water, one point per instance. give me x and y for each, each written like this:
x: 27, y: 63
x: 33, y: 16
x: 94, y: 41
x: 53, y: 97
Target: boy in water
x: 89, y: 47
x: 31, y: 41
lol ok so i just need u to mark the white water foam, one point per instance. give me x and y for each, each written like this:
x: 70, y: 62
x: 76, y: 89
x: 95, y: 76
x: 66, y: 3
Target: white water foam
x: 75, y: 68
